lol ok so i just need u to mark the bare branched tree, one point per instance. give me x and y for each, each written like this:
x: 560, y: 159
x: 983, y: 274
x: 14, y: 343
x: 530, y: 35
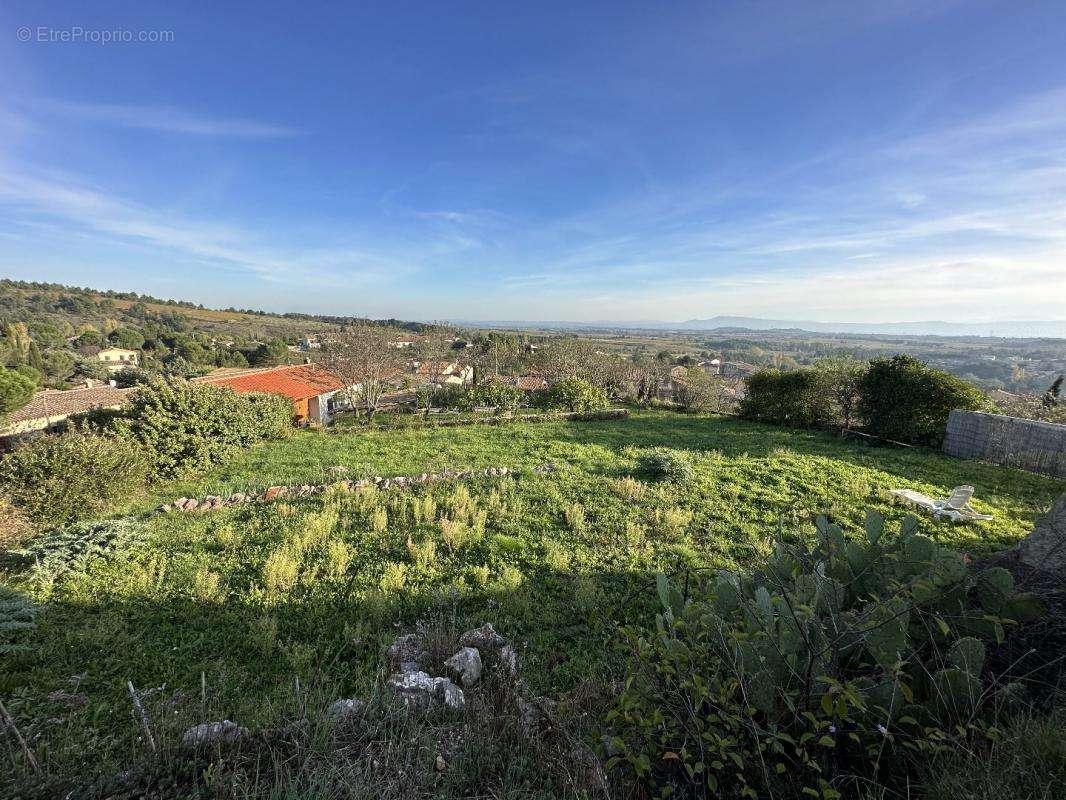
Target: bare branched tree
x: 645, y: 376
x: 566, y: 358
x: 363, y: 359
x: 433, y: 351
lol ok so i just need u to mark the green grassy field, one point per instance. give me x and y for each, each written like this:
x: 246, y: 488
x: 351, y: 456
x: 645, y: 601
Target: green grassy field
x: 224, y: 611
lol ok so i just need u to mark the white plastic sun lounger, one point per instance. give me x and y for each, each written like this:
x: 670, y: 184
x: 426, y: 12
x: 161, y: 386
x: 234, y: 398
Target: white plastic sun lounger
x: 957, y: 507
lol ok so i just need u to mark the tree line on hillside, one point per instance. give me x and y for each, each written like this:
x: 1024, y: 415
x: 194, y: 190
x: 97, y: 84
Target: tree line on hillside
x: 51, y: 334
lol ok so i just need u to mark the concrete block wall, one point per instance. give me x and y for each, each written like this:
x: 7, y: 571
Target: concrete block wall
x: 1010, y: 441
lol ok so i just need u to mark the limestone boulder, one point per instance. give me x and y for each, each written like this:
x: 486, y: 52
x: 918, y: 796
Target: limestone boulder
x: 1045, y: 547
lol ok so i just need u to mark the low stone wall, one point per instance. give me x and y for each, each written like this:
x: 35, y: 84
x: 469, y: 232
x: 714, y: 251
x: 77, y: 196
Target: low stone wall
x: 1010, y: 441
x: 502, y: 419
x: 211, y: 501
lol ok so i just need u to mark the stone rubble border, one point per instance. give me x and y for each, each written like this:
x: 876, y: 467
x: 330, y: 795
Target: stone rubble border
x: 212, y: 502
x: 600, y: 415
x: 409, y: 683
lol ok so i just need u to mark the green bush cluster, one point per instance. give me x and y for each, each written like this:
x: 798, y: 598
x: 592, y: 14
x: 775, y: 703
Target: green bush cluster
x: 494, y: 394
x: 664, y: 464
x: 74, y: 547
x: 837, y: 659
x: 56, y: 479
x: 897, y: 398
x: 799, y: 398
x: 16, y: 389
x: 186, y: 427
x: 572, y: 394
x: 170, y: 427
x: 901, y: 398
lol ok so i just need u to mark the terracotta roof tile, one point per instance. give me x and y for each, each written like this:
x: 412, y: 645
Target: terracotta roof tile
x: 297, y: 383
x: 58, y: 404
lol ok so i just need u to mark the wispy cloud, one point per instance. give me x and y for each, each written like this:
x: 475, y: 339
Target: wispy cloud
x: 50, y: 202
x: 164, y: 119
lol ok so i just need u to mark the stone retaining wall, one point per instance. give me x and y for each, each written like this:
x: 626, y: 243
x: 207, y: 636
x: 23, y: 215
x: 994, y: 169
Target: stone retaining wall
x: 1009, y: 441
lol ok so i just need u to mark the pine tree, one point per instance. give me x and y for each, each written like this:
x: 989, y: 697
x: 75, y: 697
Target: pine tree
x: 34, y: 358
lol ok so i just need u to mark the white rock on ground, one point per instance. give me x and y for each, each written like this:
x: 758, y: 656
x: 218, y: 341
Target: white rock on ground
x: 509, y: 660
x: 406, y: 651
x: 212, y: 733
x: 1045, y: 547
x: 450, y: 694
x: 483, y: 638
x: 345, y: 710
x: 418, y: 688
x: 465, y: 666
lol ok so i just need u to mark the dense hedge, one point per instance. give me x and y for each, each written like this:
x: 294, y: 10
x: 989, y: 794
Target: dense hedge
x: 572, y: 394
x: 57, y: 479
x: 798, y: 397
x: 897, y: 398
x: 186, y: 427
x: 901, y: 398
x: 490, y: 394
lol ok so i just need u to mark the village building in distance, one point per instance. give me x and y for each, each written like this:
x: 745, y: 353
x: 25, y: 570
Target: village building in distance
x: 117, y: 358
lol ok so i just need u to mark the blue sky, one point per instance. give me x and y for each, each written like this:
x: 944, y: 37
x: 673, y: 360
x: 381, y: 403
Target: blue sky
x: 842, y: 161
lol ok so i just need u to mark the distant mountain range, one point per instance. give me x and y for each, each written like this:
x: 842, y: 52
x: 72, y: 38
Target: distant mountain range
x: 1009, y: 329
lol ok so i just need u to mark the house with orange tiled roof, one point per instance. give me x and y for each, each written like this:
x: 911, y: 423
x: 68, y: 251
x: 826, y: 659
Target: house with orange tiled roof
x: 315, y: 392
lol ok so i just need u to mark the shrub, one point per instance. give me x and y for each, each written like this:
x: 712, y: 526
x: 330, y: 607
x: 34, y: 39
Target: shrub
x: 451, y: 396
x: 797, y: 397
x: 697, y: 391
x: 58, y: 479
x: 496, y: 394
x: 74, y: 547
x: 281, y: 569
x: 835, y: 659
x: 628, y: 489
x: 842, y: 380
x: 423, y: 554
x: 15, y: 390
x: 393, y: 577
x: 424, y: 509
x: 905, y: 400
x: 338, y: 556
x: 572, y: 394
x: 187, y: 427
x: 663, y: 464
x: 379, y: 520
x: 671, y: 522
x: 14, y: 527
x: 207, y: 586
x: 456, y: 534
x: 575, y: 518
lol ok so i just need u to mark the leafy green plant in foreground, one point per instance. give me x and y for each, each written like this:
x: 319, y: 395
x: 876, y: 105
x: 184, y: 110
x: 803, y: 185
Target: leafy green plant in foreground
x: 17, y: 615
x: 57, y: 479
x: 75, y: 547
x: 818, y: 666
